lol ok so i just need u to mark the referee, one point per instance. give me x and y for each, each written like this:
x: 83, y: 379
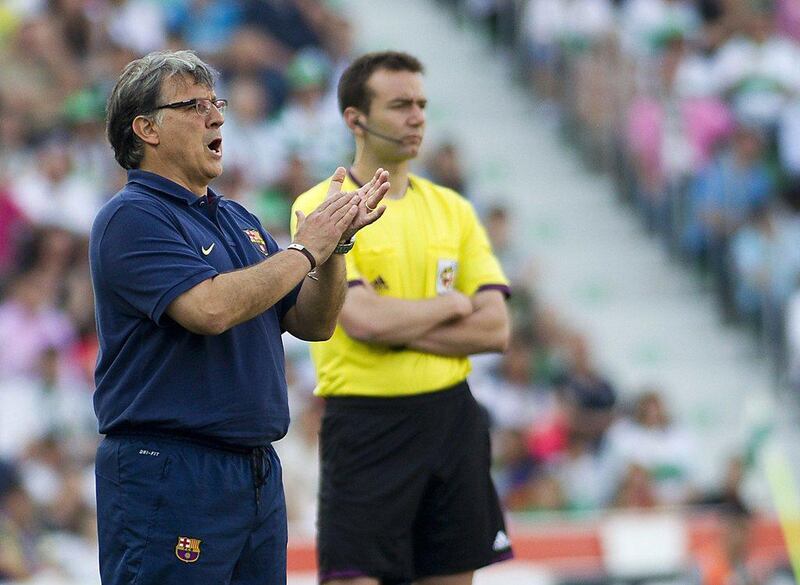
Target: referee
x: 405, y: 491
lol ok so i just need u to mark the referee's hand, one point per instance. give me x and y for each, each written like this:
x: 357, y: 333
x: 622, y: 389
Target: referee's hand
x: 369, y: 208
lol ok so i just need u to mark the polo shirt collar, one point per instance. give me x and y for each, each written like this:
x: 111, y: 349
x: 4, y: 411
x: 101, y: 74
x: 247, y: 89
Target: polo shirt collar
x: 163, y: 186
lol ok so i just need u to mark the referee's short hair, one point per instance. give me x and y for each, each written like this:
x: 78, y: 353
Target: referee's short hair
x: 138, y: 91
x: 353, y: 90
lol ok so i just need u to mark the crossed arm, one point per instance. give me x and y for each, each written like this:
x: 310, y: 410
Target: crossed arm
x: 451, y: 324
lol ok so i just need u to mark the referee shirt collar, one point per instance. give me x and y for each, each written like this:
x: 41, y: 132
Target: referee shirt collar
x: 165, y: 187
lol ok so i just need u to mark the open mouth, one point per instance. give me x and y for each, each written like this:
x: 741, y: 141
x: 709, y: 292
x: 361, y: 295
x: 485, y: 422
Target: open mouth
x: 215, y: 146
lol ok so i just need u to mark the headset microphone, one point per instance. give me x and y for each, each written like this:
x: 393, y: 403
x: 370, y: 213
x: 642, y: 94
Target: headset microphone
x: 369, y: 130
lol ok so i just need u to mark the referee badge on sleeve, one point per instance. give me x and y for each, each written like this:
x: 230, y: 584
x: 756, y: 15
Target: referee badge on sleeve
x: 445, y: 275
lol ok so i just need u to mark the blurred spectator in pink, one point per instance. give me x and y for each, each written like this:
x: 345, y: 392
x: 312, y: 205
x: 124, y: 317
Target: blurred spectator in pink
x: 549, y: 434
x: 571, y: 431
x: 12, y: 228
x: 673, y: 130
x: 706, y: 117
x: 788, y: 18
x: 30, y: 324
x: 522, y: 484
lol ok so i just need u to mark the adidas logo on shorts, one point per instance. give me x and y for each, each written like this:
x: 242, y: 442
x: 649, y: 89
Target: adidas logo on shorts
x: 501, y: 541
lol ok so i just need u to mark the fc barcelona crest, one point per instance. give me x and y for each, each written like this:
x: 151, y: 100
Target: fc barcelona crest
x: 258, y: 241
x: 188, y: 549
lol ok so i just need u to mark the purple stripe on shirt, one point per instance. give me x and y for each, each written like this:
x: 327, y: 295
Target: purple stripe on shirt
x: 503, y: 288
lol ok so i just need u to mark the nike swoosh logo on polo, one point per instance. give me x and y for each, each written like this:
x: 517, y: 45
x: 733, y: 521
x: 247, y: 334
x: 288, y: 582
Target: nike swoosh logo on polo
x: 207, y: 251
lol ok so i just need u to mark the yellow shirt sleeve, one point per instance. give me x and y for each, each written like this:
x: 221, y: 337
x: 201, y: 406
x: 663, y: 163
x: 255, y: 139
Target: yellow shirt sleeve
x: 479, y: 266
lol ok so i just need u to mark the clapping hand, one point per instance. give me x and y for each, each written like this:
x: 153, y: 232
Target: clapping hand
x: 369, y: 208
x: 341, y: 214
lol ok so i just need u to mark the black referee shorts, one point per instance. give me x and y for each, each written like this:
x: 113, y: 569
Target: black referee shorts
x: 405, y: 488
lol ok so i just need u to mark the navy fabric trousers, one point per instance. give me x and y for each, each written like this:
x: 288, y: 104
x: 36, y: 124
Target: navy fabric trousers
x: 176, y: 512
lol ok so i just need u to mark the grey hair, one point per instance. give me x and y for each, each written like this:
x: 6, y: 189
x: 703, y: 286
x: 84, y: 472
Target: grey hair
x: 137, y: 92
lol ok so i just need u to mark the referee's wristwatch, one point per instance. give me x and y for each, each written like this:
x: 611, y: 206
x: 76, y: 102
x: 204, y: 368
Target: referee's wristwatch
x: 345, y: 247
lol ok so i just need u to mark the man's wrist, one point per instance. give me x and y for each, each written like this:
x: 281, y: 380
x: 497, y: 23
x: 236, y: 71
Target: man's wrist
x: 305, y: 252
x: 345, y: 246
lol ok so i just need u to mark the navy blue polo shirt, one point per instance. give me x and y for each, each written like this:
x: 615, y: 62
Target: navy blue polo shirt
x: 153, y: 241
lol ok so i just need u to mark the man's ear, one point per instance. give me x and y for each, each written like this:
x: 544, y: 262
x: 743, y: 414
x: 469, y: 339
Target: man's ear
x: 353, y: 118
x: 146, y: 129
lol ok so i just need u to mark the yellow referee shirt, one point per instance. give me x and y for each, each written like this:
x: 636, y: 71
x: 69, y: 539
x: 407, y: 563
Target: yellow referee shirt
x: 428, y: 242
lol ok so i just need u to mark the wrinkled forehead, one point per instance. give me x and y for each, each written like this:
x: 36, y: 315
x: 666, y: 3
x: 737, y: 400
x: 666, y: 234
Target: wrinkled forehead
x: 179, y: 87
x: 386, y: 85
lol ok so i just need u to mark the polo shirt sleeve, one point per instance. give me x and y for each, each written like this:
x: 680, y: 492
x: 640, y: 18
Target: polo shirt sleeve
x: 478, y: 267
x: 145, y: 259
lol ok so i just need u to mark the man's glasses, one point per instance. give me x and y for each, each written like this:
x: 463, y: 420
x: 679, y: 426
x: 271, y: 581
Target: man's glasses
x: 202, y: 105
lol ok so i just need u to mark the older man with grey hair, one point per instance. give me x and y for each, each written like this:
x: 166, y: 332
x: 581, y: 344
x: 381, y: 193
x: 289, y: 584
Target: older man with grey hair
x: 192, y: 296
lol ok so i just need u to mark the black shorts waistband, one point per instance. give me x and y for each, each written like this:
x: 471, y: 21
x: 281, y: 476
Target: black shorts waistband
x: 191, y: 440
x: 334, y: 403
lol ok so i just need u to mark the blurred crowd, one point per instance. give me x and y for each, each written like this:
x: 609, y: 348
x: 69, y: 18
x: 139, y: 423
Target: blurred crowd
x: 713, y: 173
x: 695, y: 109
